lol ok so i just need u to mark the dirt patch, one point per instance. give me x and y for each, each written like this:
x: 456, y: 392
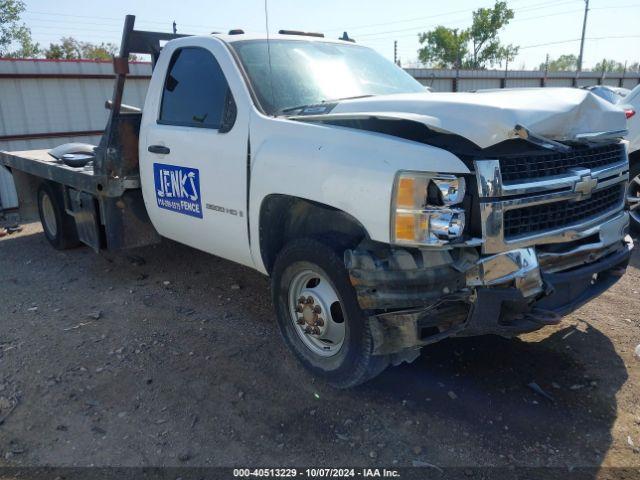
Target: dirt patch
x: 169, y: 356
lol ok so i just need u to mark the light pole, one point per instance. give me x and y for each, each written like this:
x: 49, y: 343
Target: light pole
x: 584, y: 29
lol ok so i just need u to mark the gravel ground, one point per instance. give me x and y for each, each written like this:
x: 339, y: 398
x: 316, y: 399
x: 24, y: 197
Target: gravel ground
x: 168, y: 356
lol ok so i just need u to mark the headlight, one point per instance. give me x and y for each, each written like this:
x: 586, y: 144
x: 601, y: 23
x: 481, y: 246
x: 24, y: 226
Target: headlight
x: 449, y: 189
x: 421, y: 208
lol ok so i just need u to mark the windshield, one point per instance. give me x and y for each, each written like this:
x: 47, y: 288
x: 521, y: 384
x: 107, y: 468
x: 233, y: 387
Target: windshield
x: 309, y: 72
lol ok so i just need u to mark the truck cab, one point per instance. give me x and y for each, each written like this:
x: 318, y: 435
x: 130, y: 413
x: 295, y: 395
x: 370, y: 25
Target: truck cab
x: 194, y: 145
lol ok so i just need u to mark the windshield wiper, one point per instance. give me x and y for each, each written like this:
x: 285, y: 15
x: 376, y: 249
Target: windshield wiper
x: 323, y: 102
x: 299, y: 107
x: 355, y: 97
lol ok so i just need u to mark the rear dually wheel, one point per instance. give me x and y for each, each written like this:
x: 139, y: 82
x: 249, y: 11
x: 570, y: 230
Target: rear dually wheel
x: 59, y: 227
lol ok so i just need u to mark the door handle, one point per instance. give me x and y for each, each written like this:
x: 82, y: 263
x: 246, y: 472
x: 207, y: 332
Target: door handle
x: 160, y: 149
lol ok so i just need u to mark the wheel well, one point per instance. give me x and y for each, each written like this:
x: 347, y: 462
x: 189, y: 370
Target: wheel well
x: 284, y: 218
x: 634, y: 157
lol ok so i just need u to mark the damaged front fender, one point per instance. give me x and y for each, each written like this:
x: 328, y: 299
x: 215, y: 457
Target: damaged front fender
x: 406, y: 278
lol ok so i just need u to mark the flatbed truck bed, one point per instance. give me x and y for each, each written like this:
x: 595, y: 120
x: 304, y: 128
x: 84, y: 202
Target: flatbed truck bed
x: 104, y: 196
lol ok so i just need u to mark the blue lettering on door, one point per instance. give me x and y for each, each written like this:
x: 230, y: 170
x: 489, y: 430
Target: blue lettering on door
x: 178, y: 189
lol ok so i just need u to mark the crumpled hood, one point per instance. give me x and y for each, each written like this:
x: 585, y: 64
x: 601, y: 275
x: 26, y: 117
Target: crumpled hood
x: 489, y: 117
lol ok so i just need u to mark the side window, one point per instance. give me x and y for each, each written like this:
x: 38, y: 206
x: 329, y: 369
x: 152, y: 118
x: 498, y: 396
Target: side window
x: 195, y: 91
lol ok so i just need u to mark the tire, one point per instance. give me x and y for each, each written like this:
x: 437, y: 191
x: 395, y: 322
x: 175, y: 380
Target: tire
x: 633, y: 192
x: 342, y: 364
x: 59, y: 227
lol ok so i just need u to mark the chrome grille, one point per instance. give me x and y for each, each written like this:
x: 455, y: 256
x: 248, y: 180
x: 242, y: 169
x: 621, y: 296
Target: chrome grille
x: 556, y: 207
x: 540, y: 218
x: 527, y: 167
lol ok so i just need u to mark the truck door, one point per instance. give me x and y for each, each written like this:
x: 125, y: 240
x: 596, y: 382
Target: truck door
x: 193, y: 150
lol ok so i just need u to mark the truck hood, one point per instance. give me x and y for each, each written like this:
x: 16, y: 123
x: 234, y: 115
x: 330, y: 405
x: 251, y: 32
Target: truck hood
x: 489, y: 117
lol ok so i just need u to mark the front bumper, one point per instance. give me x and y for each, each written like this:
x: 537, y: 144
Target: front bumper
x: 418, y: 298
x: 508, y: 312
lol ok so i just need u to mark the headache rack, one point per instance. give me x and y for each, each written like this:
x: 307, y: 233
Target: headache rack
x: 117, y: 153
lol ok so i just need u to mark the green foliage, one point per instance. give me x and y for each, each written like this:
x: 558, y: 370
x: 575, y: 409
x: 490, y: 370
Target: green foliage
x: 15, y: 37
x: 478, y: 46
x: 71, y: 49
x: 67, y: 49
x: 609, y: 66
x: 487, y: 49
x: 569, y: 63
x: 102, y: 51
x: 563, y: 63
x: 445, y: 47
x: 26, y: 47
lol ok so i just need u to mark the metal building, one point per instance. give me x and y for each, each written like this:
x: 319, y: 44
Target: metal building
x: 44, y: 103
x: 466, y: 80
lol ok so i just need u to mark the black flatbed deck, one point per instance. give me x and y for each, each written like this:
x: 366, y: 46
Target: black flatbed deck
x: 40, y: 164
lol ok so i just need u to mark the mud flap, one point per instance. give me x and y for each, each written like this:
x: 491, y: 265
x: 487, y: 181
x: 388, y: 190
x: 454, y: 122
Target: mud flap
x: 83, y: 208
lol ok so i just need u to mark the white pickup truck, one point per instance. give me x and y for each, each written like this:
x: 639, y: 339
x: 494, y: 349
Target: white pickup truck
x: 387, y: 217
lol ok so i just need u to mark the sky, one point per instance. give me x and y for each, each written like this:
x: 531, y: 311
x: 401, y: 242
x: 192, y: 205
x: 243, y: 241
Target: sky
x: 540, y: 27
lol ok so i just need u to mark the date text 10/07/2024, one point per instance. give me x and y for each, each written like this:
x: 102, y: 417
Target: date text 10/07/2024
x: 316, y: 473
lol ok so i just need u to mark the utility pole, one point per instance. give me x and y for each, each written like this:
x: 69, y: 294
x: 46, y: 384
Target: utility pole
x: 503, y: 81
x: 546, y: 72
x: 584, y: 30
x: 395, y: 52
x: 175, y: 27
x: 455, y: 80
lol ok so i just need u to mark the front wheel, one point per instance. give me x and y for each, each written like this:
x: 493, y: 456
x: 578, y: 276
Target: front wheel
x: 319, y: 316
x: 633, y: 195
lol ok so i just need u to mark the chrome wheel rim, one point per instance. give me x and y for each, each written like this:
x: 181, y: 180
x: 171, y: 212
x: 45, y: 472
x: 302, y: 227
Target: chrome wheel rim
x: 316, y: 313
x: 49, y: 216
x: 633, y: 198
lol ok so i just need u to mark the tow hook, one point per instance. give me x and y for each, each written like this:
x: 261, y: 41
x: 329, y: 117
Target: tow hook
x: 310, y: 315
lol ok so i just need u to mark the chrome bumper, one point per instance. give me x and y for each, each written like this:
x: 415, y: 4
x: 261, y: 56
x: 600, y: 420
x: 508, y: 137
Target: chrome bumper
x: 524, y: 267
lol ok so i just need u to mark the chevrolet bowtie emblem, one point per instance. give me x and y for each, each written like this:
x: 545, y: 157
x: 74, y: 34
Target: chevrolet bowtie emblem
x: 586, y: 185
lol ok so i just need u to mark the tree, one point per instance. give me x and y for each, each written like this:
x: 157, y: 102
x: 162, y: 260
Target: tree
x: 103, y: 51
x: 562, y: 64
x: 13, y: 32
x: 487, y: 22
x: 478, y: 46
x: 26, y: 47
x: 67, y: 49
x: 71, y: 49
x: 445, y: 47
x: 609, y: 66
